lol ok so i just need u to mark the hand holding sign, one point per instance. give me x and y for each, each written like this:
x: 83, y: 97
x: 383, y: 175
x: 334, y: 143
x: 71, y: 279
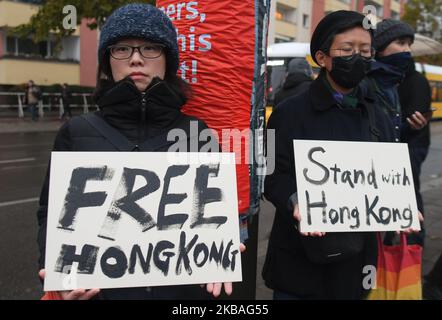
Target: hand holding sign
x: 143, y: 219
x: 411, y: 230
x: 355, y: 186
x: 81, y: 294
x: 215, y: 288
x: 297, y: 216
x: 77, y: 294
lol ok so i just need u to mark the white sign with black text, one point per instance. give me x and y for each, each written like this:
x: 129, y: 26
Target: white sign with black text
x: 354, y: 186
x: 131, y: 219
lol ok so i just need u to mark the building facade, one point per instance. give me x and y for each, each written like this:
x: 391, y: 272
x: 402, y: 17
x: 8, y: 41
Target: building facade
x: 75, y: 64
x: 295, y: 20
x: 22, y: 59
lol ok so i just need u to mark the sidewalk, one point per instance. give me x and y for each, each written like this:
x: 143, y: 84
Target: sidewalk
x: 433, y: 225
x: 431, y: 189
x: 9, y: 125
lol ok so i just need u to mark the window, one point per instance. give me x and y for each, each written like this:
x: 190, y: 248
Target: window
x: 52, y: 48
x: 26, y: 47
x: 278, y: 15
x: 436, y: 91
x: 305, y: 20
x: 395, y: 15
x: 379, y: 9
x: 285, y: 13
x: 11, y: 45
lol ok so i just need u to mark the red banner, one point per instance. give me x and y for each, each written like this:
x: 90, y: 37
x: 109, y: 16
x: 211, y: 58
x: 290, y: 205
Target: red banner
x: 216, y: 40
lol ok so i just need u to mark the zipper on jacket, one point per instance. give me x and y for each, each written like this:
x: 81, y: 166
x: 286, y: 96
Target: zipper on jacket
x: 142, y: 125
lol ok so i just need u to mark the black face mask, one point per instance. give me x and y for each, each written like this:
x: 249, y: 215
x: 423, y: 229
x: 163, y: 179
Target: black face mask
x: 347, y: 72
x: 401, y: 61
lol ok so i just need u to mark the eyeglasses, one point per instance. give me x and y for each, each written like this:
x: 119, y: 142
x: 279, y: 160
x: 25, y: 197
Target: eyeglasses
x: 148, y: 51
x: 348, y: 53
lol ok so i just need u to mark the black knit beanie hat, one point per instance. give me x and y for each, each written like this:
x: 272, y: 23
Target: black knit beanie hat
x: 142, y: 21
x: 389, y: 30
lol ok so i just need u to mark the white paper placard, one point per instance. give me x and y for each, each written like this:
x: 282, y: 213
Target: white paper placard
x: 354, y: 186
x: 131, y: 219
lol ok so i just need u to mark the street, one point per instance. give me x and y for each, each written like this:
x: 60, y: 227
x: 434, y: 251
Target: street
x: 23, y: 161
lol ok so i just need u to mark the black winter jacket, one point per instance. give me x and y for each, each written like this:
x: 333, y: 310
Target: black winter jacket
x: 315, y: 115
x: 144, y: 119
x: 295, y: 84
x: 415, y: 95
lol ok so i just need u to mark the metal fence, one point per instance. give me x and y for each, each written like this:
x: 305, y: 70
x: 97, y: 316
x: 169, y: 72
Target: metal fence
x: 13, y: 101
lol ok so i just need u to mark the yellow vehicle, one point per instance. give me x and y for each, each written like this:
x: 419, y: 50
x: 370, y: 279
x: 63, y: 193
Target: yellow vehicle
x: 280, y: 54
x: 434, y: 76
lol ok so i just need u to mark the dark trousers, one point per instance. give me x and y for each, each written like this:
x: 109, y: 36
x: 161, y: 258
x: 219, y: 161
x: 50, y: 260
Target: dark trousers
x: 417, y: 158
x: 34, y: 111
x: 435, y: 275
x: 246, y: 290
x: 343, y: 280
x: 279, y: 295
x: 67, y: 111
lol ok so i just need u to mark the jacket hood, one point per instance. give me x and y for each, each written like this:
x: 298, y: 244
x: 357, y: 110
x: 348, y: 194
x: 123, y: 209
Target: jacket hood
x: 295, y: 79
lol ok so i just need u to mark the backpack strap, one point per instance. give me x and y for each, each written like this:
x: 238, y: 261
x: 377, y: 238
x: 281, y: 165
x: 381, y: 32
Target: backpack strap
x: 119, y: 141
x: 111, y: 134
x: 160, y: 141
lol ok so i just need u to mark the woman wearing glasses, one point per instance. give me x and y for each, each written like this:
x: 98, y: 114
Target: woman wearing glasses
x: 318, y: 265
x: 139, y: 95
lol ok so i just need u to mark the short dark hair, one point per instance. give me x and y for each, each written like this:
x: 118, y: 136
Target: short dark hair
x: 332, y: 24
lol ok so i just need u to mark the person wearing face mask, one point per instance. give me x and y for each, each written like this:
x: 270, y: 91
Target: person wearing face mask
x: 392, y: 41
x: 297, y: 265
x: 139, y: 96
